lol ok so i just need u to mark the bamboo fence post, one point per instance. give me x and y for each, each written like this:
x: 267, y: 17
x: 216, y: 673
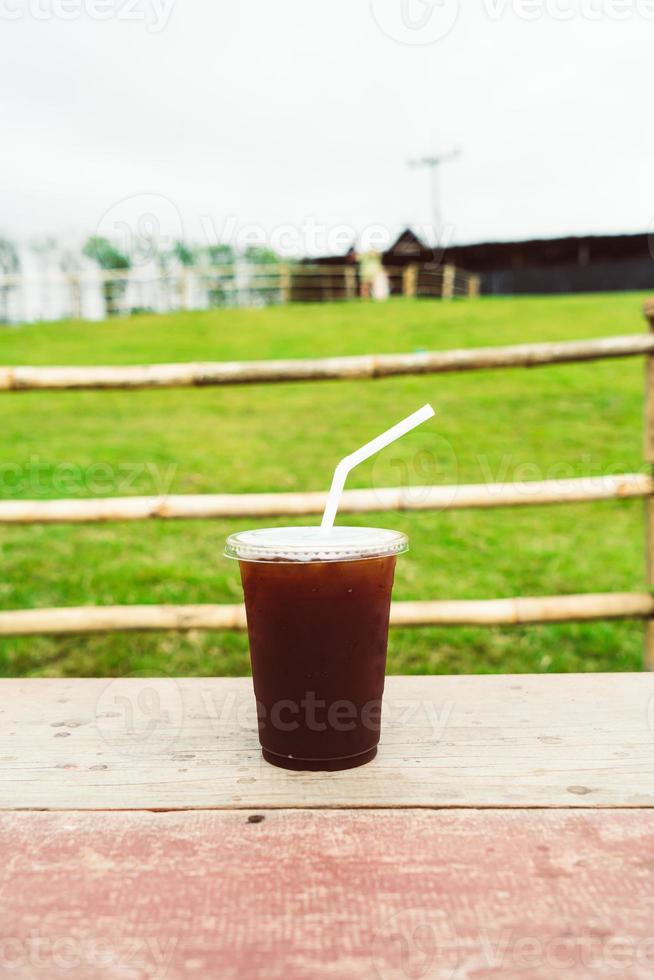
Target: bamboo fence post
x: 473, y: 287
x: 185, y: 277
x: 648, y: 310
x: 350, y: 282
x: 410, y: 280
x: 75, y: 295
x: 285, y: 283
x: 447, y: 288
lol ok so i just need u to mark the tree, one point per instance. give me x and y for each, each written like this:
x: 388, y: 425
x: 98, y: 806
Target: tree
x: 221, y: 278
x: 187, y: 257
x: 9, y: 266
x: 220, y: 254
x: 260, y: 255
x: 110, y: 259
x: 263, y: 291
x: 185, y: 254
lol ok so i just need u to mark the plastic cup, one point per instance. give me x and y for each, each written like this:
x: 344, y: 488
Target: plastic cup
x: 317, y: 611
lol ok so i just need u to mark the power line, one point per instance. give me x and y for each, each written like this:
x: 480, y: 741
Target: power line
x: 432, y: 163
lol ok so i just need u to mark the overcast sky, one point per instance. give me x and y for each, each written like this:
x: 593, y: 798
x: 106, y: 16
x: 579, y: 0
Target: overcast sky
x: 299, y: 116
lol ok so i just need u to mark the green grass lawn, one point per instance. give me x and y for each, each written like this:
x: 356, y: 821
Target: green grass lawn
x: 494, y: 425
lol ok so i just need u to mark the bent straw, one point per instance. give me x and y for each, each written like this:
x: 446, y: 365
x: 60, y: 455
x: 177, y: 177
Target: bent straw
x: 349, y: 462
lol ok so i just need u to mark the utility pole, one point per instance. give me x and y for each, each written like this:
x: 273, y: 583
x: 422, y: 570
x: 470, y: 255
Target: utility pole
x: 432, y: 163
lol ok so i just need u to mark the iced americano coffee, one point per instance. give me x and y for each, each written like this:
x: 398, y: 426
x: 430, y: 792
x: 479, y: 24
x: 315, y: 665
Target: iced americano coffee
x: 317, y: 612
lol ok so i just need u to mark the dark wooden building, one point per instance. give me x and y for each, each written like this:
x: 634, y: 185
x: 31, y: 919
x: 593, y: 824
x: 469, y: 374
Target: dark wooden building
x: 588, y: 263
x: 328, y: 277
x: 409, y: 250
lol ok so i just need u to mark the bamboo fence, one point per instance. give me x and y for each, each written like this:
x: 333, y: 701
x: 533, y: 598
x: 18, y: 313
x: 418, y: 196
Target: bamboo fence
x: 203, y: 506
x: 478, y: 612
x: 507, y: 611
x: 358, y: 367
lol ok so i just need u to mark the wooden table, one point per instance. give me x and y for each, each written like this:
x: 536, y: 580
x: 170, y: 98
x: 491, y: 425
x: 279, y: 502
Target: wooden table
x: 506, y: 829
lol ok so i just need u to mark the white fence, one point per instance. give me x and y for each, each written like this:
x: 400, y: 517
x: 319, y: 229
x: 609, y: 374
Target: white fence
x: 93, y: 294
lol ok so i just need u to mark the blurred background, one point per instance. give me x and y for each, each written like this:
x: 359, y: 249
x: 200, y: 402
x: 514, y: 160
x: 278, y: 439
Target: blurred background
x: 192, y: 182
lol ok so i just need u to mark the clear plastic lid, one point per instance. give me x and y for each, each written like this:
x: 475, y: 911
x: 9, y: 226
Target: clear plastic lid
x: 310, y: 544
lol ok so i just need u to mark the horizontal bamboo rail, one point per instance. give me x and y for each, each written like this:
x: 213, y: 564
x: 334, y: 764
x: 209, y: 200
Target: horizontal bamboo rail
x: 202, y: 506
x: 524, y: 610
x: 253, y: 272
x: 478, y: 612
x: 26, y: 378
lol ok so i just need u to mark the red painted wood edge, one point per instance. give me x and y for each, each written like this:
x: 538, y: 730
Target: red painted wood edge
x: 395, y: 895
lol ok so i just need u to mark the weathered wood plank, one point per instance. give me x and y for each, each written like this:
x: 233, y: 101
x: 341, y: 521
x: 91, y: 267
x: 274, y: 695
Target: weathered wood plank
x: 201, y: 373
x: 491, y: 741
x: 344, y: 895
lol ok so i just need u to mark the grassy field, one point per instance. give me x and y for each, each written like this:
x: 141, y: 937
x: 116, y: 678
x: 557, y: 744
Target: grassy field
x: 503, y: 425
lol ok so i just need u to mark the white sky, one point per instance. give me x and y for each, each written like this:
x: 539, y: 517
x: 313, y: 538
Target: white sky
x: 279, y: 112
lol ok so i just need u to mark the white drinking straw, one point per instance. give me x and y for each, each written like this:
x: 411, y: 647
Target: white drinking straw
x: 349, y: 462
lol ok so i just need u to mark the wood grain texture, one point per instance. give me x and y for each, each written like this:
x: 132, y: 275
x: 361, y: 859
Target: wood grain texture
x: 346, y: 895
x: 202, y: 373
x: 202, y: 506
x: 567, y: 740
